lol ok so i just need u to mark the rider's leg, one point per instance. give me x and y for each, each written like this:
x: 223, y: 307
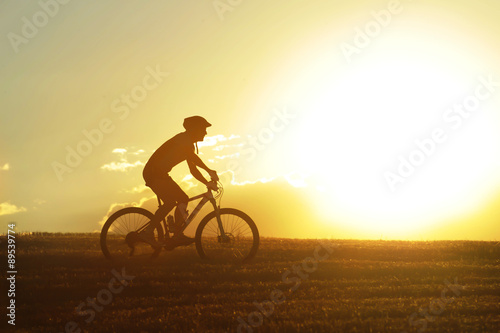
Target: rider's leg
x: 180, y: 222
x: 181, y: 216
x: 160, y: 214
x: 170, y: 193
x: 160, y: 186
x: 176, y: 194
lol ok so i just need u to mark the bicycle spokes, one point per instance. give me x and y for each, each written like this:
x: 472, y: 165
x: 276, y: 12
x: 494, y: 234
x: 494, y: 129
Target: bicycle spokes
x: 233, y: 237
x: 120, y: 236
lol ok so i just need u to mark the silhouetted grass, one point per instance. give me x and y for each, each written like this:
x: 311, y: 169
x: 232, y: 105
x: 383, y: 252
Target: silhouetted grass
x: 363, y: 286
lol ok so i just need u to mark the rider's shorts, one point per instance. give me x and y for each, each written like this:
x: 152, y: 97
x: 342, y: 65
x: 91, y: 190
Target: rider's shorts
x: 166, y: 189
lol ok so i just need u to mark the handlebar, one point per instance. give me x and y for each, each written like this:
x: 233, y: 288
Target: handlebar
x: 214, y: 185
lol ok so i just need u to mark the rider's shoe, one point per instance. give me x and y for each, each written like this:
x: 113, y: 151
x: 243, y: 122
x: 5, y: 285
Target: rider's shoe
x: 180, y: 239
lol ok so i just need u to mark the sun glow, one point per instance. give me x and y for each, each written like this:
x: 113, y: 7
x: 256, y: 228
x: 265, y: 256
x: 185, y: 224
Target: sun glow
x: 361, y: 125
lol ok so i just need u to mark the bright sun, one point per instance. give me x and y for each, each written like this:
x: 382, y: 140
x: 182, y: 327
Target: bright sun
x: 389, y: 115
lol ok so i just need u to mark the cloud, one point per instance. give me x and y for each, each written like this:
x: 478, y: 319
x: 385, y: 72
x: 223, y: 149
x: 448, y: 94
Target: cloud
x: 123, y: 151
x: 220, y: 147
x: 137, y: 189
x: 123, y: 165
x: 296, y: 179
x: 228, y: 178
x: 117, y: 206
x: 235, y: 155
x: 213, y: 140
x: 39, y: 202
x: 119, y: 151
x: 5, y: 167
x: 188, y: 183
x: 6, y: 208
x: 262, y: 180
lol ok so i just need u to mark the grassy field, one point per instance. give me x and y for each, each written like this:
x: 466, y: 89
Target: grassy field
x: 291, y: 286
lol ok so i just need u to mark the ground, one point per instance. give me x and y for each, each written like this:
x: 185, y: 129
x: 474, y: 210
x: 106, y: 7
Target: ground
x: 64, y: 284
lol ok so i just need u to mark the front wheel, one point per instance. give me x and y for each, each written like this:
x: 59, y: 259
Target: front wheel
x: 119, y: 235
x: 238, y: 243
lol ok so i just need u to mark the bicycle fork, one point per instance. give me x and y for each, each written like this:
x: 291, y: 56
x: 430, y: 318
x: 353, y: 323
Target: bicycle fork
x: 223, y: 238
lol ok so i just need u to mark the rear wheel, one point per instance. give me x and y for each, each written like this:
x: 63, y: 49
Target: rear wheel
x: 238, y: 243
x: 119, y: 235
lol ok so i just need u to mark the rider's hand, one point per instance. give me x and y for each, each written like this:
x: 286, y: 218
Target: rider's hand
x: 212, y: 186
x: 213, y: 175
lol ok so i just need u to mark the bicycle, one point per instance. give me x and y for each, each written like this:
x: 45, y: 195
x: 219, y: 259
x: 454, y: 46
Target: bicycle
x: 224, y: 233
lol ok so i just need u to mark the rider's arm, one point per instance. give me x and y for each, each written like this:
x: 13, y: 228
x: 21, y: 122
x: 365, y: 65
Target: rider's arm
x: 196, y: 173
x: 196, y: 160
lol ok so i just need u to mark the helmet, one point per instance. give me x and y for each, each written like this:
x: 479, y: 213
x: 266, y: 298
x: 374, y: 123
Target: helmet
x: 195, y: 122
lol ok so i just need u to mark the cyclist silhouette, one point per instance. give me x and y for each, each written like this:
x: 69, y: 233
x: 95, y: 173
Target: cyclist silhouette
x: 179, y: 148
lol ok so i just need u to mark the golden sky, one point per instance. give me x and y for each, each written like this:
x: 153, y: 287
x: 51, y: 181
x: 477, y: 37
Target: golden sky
x: 361, y: 119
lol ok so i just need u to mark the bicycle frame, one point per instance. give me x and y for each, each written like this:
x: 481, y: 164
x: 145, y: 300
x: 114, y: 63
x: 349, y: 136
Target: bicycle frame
x: 205, y: 197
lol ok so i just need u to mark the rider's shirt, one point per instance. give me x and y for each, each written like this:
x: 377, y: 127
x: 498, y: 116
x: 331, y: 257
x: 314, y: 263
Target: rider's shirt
x: 174, y: 151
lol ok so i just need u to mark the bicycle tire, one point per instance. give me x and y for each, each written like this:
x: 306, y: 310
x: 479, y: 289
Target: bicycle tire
x: 244, y: 242
x: 123, y: 223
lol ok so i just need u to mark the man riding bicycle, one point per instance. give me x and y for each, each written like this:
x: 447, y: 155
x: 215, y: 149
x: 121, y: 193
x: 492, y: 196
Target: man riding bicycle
x: 179, y: 148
